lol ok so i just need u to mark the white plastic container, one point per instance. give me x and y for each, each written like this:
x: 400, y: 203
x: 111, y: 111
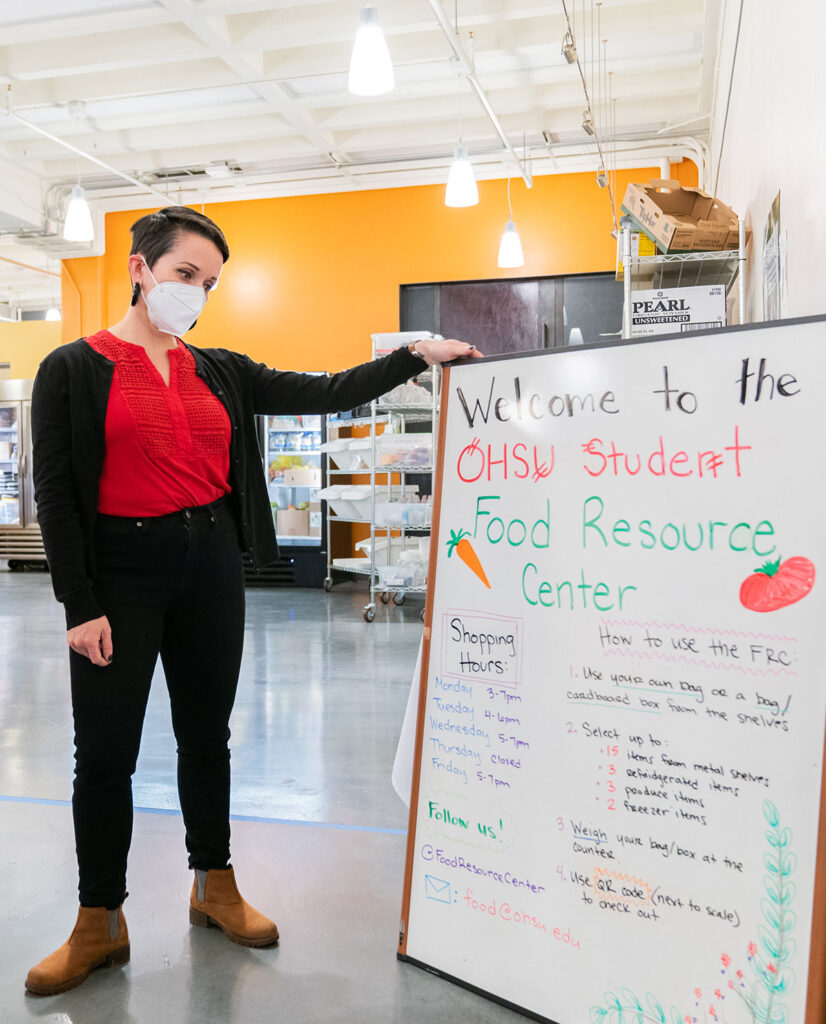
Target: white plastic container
x: 360, y: 453
x: 396, y: 547
x: 389, y: 513
x: 407, y: 394
x: 348, y: 501
x: 403, y: 513
x: 417, y: 514
x: 337, y: 501
x: 408, y: 450
x: 401, y: 575
x: 359, y: 497
x: 413, y: 558
x: 337, y: 451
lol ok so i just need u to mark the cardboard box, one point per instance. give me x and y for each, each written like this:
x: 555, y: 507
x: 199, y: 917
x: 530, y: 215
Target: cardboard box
x: 293, y: 522
x: 303, y: 476
x: 315, y: 519
x: 681, y: 219
x: 677, y: 310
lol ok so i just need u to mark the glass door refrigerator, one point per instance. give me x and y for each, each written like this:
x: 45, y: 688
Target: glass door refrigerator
x: 291, y: 446
x: 20, y: 539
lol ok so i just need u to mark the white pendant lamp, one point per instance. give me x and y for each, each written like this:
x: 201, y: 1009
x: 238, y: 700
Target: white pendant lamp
x: 461, y: 183
x: 510, y: 248
x: 78, y: 224
x: 371, y: 70
x: 52, y: 313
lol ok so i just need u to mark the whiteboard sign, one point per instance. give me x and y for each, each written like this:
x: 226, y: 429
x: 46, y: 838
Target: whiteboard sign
x: 615, y: 808
x: 481, y: 647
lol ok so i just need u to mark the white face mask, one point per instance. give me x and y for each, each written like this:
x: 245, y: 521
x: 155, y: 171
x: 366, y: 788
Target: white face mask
x: 173, y: 306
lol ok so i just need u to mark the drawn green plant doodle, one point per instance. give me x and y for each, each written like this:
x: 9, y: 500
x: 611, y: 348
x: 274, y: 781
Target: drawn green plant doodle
x: 768, y: 959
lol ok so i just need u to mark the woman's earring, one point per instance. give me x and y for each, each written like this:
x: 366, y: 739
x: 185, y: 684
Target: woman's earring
x: 136, y: 290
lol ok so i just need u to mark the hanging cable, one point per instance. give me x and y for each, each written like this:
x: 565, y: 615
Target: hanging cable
x: 728, y: 98
x: 588, y: 108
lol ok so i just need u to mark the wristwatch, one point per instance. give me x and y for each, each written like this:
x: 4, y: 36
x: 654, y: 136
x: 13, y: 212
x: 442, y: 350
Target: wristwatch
x: 411, y: 348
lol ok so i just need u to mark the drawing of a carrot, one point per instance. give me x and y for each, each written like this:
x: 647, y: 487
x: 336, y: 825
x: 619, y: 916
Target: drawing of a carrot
x: 464, y: 550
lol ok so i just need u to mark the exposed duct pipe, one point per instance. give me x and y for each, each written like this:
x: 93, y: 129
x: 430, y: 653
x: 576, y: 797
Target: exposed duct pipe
x: 318, y: 179
x: 469, y: 72
x: 80, y: 152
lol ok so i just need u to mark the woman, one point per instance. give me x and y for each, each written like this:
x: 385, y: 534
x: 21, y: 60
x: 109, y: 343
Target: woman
x: 149, y: 486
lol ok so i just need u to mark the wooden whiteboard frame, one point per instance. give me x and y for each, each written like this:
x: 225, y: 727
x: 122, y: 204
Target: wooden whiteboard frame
x: 816, y: 980
x: 426, y: 634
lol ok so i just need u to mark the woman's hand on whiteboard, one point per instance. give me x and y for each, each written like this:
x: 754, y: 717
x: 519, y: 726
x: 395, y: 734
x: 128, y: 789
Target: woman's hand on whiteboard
x: 445, y: 351
x: 92, y: 639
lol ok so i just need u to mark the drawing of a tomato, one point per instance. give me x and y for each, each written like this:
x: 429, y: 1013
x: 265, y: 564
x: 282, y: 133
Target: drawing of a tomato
x: 777, y: 584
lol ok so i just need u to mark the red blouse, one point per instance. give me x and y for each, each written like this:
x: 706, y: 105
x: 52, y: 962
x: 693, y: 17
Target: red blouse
x: 167, y: 448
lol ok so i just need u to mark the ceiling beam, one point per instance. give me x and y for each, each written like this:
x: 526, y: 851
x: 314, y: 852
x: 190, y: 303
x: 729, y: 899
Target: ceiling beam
x: 469, y: 72
x: 214, y: 33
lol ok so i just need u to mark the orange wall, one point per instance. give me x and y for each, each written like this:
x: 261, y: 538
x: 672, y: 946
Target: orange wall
x: 83, y: 287
x: 311, y: 277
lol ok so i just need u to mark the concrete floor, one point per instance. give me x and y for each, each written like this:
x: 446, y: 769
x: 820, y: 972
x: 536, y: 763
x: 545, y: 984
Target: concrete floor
x: 318, y: 832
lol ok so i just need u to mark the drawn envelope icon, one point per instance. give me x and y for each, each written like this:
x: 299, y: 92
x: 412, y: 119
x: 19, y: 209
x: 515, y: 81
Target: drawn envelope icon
x: 436, y: 889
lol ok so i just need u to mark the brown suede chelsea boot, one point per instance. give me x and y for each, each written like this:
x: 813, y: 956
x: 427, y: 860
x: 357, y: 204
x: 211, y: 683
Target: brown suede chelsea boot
x: 99, y: 939
x: 215, y: 901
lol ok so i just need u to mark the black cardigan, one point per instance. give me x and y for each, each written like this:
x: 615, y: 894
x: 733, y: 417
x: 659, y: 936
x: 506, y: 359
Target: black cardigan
x: 71, y: 392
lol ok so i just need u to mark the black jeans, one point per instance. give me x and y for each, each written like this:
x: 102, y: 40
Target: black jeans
x: 172, y: 585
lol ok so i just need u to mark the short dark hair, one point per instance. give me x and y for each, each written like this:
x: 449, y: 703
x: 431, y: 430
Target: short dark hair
x: 154, y: 234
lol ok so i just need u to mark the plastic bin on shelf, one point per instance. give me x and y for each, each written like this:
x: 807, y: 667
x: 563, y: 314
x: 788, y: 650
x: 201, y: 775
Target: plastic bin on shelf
x: 388, y: 513
x: 348, y: 501
x: 337, y: 451
x: 407, y: 394
x: 414, y: 558
x: 401, y: 575
x: 350, y: 454
x: 418, y: 513
x: 361, y: 454
x: 396, y: 547
x: 408, y: 450
x: 338, y: 504
x: 403, y: 513
x: 361, y: 498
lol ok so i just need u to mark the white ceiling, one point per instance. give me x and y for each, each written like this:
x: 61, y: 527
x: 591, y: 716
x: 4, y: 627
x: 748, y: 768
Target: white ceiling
x: 168, y: 88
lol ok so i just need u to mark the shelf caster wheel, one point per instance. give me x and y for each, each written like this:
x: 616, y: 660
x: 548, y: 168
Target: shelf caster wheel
x: 398, y: 599
x: 385, y: 597
x: 327, y: 585
x: 369, y: 614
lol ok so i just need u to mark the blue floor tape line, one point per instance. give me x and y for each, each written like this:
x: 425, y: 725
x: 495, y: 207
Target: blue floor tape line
x: 233, y: 817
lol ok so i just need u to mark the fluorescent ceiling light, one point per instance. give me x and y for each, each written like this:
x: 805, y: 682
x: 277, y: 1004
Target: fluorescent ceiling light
x: 461, y: 184
x: 510, y: 248
x: 78, y: 224
x: 371, y: 70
